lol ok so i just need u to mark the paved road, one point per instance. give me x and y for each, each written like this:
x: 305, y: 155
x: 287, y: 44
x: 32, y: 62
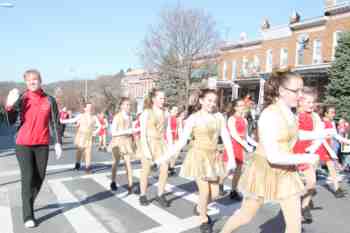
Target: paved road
x: 72, y: 202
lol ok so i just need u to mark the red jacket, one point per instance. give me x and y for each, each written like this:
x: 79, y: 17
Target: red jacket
x: 35, y: 119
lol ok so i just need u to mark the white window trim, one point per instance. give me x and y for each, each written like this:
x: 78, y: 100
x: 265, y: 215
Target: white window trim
x: 315, y: 59
x: 297, y: 55
x: 335, y: 42
x: 257, y: 63
x: 282, y: 57
x: 245, y: 63
x: 268, y: 67
x: 224, y: 71
x: 234, y: 70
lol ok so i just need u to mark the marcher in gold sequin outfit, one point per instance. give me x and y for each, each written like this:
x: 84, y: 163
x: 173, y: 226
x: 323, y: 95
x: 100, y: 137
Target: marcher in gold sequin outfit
x: 272, y: 174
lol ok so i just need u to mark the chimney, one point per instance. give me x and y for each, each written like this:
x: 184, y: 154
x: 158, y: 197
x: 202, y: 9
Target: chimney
x: 243, y: 37
x: 295, y: 18
x: 329, y: 3
x: 265, y: 24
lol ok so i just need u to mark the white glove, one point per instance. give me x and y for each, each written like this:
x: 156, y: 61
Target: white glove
x: 12, y: 97
x: 148, y: 156
x: 231, y: 166
x: 249, y: 149
x: 58, y: 150
x: 129, y: 131
x: 313, y: 159
x: 313, y: 147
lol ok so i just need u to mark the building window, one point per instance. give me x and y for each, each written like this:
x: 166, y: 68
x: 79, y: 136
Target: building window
x: 256, y: 66
x: 234, y: 70
x: 284, y: 58
x: 224, y: 71
x: 269, y: 61
x: 317, y: 52
x: 245, y: 64
x: 301, y: 45
x: 336, y: 36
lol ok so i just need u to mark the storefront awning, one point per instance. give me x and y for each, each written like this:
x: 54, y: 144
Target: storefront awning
x: 318, y: 70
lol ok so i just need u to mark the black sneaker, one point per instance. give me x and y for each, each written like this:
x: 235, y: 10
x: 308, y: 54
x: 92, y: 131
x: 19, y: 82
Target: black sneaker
x: 339, y: 193
x: 154, y: 168
x: 206, y: 228
x: 130, y: 190
x: 113, y: 186
x: 234, y: 195
x: 162, y: 201
x: 136, y: 189
x: 311, y: 205
x: 143, y: 200
x: 88, y: 170
x: 307, y: 216
x: 171, y: 171
x: 77, y: 166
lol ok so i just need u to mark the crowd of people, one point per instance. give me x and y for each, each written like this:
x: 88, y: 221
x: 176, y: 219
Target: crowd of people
x: 273, y: 158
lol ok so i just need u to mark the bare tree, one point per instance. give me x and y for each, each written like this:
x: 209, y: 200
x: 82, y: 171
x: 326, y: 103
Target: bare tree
x: 181, y: 36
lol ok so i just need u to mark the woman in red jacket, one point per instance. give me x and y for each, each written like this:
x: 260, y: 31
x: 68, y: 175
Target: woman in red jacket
x: 38, y: 115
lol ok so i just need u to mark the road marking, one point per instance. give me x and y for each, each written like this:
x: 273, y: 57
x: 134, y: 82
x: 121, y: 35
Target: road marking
x: 193, y: 197
x: 50, y: 168
x: 5, y: 212
x: 78, y: 216
x: 176, y: 227
x: 152, y: 211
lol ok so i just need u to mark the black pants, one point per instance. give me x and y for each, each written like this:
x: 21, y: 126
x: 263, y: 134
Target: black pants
x: 32, y: 162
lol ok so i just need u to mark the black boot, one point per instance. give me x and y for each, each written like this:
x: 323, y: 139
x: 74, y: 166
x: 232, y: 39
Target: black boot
x: 306, y: 213
x: 113, y: 186
x: 171, y: 171
x: 312, y: 205
x: 234, y: 195
x: 143, y: 200
x: 206, y: 228
x: 162, y: 201
x: 339, y: 193
x: 77, y: 166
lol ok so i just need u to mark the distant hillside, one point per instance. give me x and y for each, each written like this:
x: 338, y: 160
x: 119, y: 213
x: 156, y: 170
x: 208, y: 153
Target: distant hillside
x: 104, y: 91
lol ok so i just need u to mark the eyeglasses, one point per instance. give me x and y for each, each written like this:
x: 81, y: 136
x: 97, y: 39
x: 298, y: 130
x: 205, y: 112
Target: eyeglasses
x: 295, y: 91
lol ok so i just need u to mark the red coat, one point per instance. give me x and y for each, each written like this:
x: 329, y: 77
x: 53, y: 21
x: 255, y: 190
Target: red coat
x: 305, y: 123
x: 35, y: 115
x: 322, y: 151
x: 238, y: 150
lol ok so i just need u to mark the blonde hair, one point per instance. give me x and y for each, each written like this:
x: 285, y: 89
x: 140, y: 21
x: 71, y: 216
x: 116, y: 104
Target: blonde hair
x: 32, y: 72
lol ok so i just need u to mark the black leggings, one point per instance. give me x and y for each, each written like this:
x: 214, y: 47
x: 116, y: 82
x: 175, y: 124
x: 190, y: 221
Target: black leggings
x: 32, y: 162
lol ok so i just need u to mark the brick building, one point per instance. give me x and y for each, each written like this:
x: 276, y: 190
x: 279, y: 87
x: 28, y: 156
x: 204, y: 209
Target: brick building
x: 306, y: 46
x: 136, y: 84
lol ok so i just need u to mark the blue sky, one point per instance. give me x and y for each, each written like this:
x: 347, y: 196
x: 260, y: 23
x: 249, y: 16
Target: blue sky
x: 68, y: 39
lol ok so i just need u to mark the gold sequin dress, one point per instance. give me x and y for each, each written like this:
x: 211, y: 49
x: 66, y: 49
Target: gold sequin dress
x: 269, y: 182
x: 83, y: 137
x: 202, y: 160
x: 155, y: 134
x: 124, y: 143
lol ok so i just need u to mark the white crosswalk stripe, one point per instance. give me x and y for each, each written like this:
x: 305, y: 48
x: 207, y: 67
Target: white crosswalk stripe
x: 83, y: 220
x: 5, y: 212
x: 79, y: 217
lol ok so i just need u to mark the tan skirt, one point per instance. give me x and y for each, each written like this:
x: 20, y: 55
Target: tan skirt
x: 203, y: 164
x: 157, y: 147
x: 124, y: 144
x: 83, y: 139
x: 262, y: 180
